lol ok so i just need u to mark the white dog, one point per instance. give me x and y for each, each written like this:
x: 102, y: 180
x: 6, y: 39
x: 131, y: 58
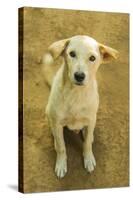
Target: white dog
x: 74, y: 99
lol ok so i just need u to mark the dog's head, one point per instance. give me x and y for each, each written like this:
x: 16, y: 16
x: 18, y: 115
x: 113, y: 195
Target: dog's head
x: 82, y: 55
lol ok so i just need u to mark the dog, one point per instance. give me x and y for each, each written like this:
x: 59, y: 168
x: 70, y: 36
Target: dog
x: 74, y: 99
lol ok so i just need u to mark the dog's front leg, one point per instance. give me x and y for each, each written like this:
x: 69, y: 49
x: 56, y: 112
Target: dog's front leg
x: 61, y: 159
x: 89, y: 159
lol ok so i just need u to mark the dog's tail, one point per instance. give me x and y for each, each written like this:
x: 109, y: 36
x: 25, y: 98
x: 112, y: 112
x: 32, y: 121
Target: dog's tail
x: 49, y: 68
x: 47, y: 59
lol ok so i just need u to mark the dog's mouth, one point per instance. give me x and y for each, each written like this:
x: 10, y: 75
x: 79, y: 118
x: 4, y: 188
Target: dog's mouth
x: 79, y: 83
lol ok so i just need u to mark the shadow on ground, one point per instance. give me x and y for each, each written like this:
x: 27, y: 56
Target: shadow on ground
x: 13, y: 187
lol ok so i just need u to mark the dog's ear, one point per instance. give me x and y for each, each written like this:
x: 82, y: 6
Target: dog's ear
x: 107, y: 53
x: 55, y: 50
x: 58, y: 47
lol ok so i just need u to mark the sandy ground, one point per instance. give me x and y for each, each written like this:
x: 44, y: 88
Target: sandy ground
x: 41, y: 28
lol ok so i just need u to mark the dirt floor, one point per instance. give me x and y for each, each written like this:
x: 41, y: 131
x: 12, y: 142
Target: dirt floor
x: 41, y: 28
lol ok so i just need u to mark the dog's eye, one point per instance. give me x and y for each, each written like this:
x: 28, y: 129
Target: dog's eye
x: 72, y: 54
x: 92, y: 58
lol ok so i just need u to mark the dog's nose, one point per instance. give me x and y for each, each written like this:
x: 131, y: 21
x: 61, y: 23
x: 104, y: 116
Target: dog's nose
x: 79, y: 76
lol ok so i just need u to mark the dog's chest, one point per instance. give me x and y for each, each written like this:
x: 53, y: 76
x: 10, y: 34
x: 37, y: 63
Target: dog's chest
x: 78, y: 106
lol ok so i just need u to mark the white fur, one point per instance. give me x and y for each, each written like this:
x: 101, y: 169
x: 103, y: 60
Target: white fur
x: 72, y: 105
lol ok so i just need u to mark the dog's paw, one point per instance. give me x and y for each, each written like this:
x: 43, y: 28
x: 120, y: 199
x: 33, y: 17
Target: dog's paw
x: 89, y: 162
x: 61, y: 168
